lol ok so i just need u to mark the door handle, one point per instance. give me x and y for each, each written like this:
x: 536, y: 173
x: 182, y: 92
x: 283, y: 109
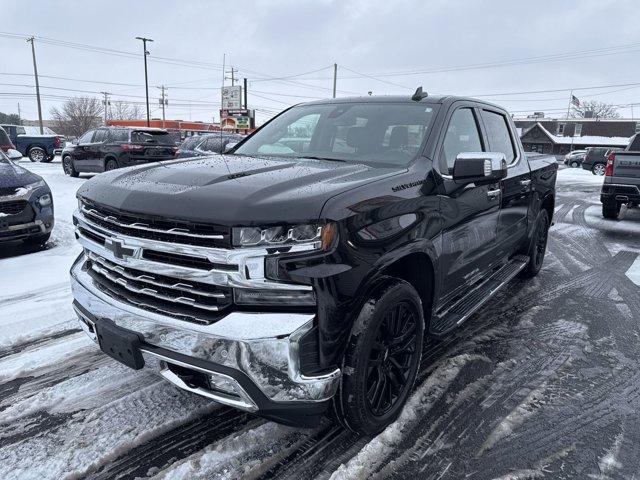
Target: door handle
x: 493, y: 193
x: 525, y: 183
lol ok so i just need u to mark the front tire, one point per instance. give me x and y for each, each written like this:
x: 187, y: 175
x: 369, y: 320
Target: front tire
x: 574, y: 164
x: 611, y: 210
x: 598, y: 169
x: 382, y: 358
x: 37, y: 154
x: 538, y: 245
x: 68, y: 167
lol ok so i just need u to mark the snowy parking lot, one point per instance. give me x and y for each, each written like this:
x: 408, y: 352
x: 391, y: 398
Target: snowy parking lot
x: 544, y: 382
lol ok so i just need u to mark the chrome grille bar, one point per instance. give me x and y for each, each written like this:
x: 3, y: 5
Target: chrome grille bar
x: 91, y: 212
x: 150, y: 291
x: 151, y: 280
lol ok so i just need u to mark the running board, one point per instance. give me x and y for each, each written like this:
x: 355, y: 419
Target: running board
x: 453, y: 316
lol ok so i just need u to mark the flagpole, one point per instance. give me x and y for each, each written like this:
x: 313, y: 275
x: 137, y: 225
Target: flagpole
x: 569, y: 106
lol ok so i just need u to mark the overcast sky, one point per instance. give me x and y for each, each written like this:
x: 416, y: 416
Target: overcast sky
x: 454, y: 47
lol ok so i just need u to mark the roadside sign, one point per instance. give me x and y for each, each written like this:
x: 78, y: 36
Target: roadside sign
x: 232, y: 97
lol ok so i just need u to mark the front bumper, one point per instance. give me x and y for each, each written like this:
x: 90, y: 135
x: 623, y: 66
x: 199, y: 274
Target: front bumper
x: 252, y: 358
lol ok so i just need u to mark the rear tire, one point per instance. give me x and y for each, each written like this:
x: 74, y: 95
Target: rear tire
x: 37, y: 154
x: 538, y: 245
x: 382, y: 359
x: 574, y: 164
x: 611, y: 210
x: 68, y: 167
x: 598, y: 169
x: 37, y: 240
x: 110, y: 164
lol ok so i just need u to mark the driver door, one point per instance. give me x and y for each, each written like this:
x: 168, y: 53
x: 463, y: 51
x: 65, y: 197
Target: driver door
x: 82, y: 152
x: 470, y: 212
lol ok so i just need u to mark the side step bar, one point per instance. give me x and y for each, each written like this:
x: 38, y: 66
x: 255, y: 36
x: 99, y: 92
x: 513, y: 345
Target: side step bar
x: 453, y: 316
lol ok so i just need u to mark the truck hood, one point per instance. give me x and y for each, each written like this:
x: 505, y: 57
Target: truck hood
x: 14, y: 176
x: 230, y: 189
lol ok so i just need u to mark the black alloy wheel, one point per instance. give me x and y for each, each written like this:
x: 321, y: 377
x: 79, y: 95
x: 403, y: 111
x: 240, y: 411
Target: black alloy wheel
x: 382, y: 358
x: 538, y: 245
x: 389, y: 366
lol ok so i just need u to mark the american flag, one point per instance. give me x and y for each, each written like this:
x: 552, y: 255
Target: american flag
x: 575, y: 101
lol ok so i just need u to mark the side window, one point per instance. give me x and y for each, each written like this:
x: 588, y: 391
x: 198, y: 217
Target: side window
x: 21, y: 131
x: 86, y: 138
x: 118, y: 135
x: 100, y: 136
x: 498, y: 134
x: 462, y: 136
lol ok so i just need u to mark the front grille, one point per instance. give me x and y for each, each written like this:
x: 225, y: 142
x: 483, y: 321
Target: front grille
x: 186, y: 300
x: 9, y: 234
x: 156, y: 228
x: 200, y: 263
x: 12, y: 208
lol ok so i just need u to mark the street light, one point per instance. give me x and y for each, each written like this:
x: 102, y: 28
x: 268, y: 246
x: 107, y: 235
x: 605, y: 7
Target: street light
x: 146, y: 79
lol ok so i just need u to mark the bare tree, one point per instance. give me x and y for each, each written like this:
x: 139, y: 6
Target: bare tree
x: 77, y: 115
x: 599, y: 109
x: 124, y: 111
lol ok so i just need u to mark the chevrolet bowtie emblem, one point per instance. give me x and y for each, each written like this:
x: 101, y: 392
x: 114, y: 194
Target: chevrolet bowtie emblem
x: 118, y: 248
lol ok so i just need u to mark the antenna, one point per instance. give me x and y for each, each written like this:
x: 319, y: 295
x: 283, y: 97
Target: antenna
x: 419, y: 95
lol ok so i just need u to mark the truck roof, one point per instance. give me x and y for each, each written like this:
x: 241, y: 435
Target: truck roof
x: 432, y: 99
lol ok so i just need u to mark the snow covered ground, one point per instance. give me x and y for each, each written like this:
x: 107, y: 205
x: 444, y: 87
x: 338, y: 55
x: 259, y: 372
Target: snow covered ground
x: 543, y: 383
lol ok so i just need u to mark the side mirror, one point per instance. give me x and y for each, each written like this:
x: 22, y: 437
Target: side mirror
x: 14, y: 155
x: 229, y: 146
x: 479, y: 167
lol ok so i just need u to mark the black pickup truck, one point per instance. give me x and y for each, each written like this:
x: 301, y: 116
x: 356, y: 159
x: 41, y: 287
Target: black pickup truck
x: 291, y: 278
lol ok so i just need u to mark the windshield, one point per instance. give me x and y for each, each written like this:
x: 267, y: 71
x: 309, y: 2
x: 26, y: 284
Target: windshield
x: 372, y: 133
x: 162, y: 138
x: 191, y: 142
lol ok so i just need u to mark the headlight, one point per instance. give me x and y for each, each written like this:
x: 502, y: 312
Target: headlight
x: 283, y: 235
x: 44, y: 200
x: 27, y: 189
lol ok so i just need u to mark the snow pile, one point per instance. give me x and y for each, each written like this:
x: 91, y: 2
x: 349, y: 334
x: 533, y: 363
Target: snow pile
x: 572, y: 176
x: 375, y: 453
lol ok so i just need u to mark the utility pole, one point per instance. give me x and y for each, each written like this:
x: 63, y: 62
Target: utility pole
x: 335, y: 77
x: 163, y: 102
x: 20, y: 116
x: 106, y: 104
x: 35, y: 73
x: 146, y: 78
x: 245, y: 93
x: 233, y: 76
x: 569, y: 106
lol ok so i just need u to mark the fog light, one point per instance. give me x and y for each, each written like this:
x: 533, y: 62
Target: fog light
x: 44, y: 200
x: 274, y: 297
x: 224, y: 385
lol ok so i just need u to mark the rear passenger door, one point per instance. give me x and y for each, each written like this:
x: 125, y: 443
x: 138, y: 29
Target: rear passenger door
x: 515, y: 188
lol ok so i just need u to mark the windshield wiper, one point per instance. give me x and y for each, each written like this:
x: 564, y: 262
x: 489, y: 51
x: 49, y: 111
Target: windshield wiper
x: 323, y: 158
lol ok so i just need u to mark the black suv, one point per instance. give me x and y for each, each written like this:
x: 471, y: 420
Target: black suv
x: 109, y: 148
x: 596, y: 159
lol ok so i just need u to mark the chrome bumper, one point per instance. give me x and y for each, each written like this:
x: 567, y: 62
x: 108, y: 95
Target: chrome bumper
x: 261, y: 346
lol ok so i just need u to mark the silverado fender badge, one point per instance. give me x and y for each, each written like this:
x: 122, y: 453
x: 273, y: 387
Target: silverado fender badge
x: 404, y: 186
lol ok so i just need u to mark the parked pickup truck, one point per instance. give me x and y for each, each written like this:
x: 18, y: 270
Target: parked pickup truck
x: 39, y: 148
x: 290, y: 279
x: 622, y: 179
